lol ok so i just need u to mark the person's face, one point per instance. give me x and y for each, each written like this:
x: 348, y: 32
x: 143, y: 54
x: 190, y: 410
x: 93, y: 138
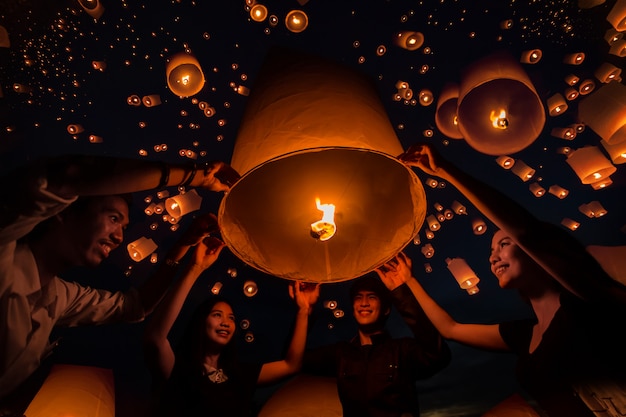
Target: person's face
x: 366, y: 308
x: 220, y: 324
x: 98, y: 230
x: 506, y: 259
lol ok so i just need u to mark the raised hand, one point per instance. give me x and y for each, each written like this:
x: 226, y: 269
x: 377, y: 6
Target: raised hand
x: 207, y: 252
x: 219, y: 176
x: 424, y: 157
x: 395, y: 272
x: 305, y: 294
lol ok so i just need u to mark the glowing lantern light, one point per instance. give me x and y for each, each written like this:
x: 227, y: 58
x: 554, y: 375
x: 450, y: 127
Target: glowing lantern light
x: 558, y: 191
x: 617, y: 16
x: 570, y: 224
x: 151, y: 100
x: 294, y: 145
x: 499, y: 111
x: 603, y: 183
x: 464, y: 275
x: 571, y: 79
x: 536, y: 189
x: 590, y: 164
x: 141, y: 248
x: 99, y: 65
x: 184, y: 75
x: 93, y: 8
x: 574, y: 59
x: 133, y: 100
x: 409, y: 40
x: 556, y: 104
x: 258, y: 12
x: 607, y: 72
x: 182, y: 204
x: 586, y: 86
x: 74, y: 390
x: 505, y: 162
x: 445, y: 115
x: 74, y: 129
x: 458, y: 208
x: 611, y: 36
x: 523, y: 171
x: 571, y: 93
x: 95, y: 139
x: 425, y: 97
x: 433, y: 223
x: 250, y: 288
x: 325, y: 228
x: 506, y: 24
x: 604, y: 111
x: 478, y: 226
x: 216, y: 288
x: 296, y: 21
x: 618, y: 48
x: 531, y: 56
x: 428, y: 251
x: 567, y: 133
x: 617, y: 151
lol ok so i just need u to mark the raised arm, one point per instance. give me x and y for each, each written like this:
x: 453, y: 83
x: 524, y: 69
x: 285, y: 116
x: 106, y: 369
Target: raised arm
x: 306, y: 296
x: 557, y: 252
x: 97, y: 175
x: 485, y: 336
x: 158, y: 351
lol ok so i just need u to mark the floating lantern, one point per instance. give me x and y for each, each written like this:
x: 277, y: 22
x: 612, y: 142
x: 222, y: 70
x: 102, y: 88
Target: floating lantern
x: 99, y: 65
x: 151, y: 100
x: 618, y: 48
x: 250, y: 288
x: 428, y: 251
x: 617, y: 16
x: 505, y: 162
x: 464, y: 275
x: 590, y: 164
x: 216, y: 288
x: 258, y: 12
x: 499, y: 111
x: 425, y: 97
x: 296, y: 21
x: 458, y: 208
x: 574, y: 59
x: 93, y: 8
x: 428, y: 268
x: 478, y: 226
x: 558, y: 191
x: 570, y: 224
x: 571, y: 79
x: 586, y: 86
x: 433, y: 223
x: 531, y: 56
x: 133, y: 100
x: 141, y: 248
x: 95, y: 139
x: 604, y: 112
x: 523, y: 171
x: 409, y: 40
x: 617, y: 151
x: 74, y: 129
x: 473, y: 290
x: 184, y: 75
x: 506, y: 24
x: 607, y: 72
x: 556, y: 104
x: 182, y: 204
x: 571, y: 93
x: 75, y: 390
x: 536, y: 189
x: 567, y: 133
x: 445, y: 115
x: 603, y: 183
x: 313, y: 129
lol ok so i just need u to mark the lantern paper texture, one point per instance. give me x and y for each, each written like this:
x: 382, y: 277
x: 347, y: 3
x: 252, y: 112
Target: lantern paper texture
x: 313, y: 129
x: 604, y: 111
x: 462, y: 272
x: 73, y: 390
x: 304, y: 396
x: 445, y: 116
x: 590, y: 164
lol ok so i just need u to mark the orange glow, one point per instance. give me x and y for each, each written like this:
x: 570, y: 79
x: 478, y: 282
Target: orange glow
x: 499, y: 119
x: 324, y: 229
x: 296, y: 21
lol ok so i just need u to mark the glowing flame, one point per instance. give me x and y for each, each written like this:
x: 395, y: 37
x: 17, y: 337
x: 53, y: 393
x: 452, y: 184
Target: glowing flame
x: 499, y: 120
x: 324, y: 229
x: 185, y: 79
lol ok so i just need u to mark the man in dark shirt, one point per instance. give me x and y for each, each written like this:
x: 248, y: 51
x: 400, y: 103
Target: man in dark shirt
x: 376, y: 373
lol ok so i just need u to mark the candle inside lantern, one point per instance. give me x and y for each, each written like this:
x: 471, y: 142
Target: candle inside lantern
x: 462, y: 272
x: 499, y: 119
x: 325, y: 228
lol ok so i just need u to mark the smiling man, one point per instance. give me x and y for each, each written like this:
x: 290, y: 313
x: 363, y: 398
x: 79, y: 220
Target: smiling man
x: 72, y: 212
x: 376, y: 374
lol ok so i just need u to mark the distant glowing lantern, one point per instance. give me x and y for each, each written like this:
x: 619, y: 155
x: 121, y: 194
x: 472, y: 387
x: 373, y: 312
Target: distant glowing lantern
x: 75, y: 390
x: 93, y: 8
x: 617, y: 151
x: 590, y: 164
x: 556, y: 104
x: 409, y: 40
x: 604, y: 112
x: 570, y: 224
x: 133, y: 100
x: 593, y: 209
x: 294, y: 146
x: 464, y: 275
x: 458, y: 208
x: 523, y: 171
x: 473, y: 290
x: 611, y: 36
x: 181, y: 204
x: 576, y: 58
x: 505, y: 162
x: 531, y: 56
x: 571, y: 79
x: 567, y: 133
x: 184, y: 75
x: 445, y: 115
x: 607, y: 72
x: 428, y: 251
x: 558, y: 191
x: 216, y: 288
x: 478, y: 226
x: 21, y: 88
x: 536, y: 189
x: 250, y: 288
x: 618, y: 48
x: 330, y: 304
x: 433, y: 223
x: 99, y: 65
x: 603, y: 183
x: 425, y: 97
x: 571, y: 93
x: 151, y: 100
x: 95, y: 139
x: 74, y: 129
x: 432, y: 183
x: 506, y: 24
x: 296, y: 21
x: 499, y: 110
x: 258, y: 12
x: 141, y: 248
x: 617, y: 16
x: 586, y: 86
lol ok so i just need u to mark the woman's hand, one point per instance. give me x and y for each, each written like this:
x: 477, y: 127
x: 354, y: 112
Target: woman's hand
x: 424, y: 157
x: 305, y: 294
x: 395, y: 272
x: 219, y: 176
x: 207, y: 252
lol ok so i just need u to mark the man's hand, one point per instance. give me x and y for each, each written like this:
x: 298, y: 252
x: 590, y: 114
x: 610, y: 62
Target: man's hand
x: 395, y: 272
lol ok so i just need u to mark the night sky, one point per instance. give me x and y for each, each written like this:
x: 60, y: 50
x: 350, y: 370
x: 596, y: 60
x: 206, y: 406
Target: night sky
x: 53, y: 47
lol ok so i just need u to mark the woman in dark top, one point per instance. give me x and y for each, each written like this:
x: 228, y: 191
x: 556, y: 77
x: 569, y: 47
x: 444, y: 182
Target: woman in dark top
x: 569, y: 356
x: 203, y: 377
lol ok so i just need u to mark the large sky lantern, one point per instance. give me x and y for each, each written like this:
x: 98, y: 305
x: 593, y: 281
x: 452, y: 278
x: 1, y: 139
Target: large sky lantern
x: 184, y: 75
x: 499, y: 111
x: 604, y: 111
x: 322, y: 197
x: 445, y: 116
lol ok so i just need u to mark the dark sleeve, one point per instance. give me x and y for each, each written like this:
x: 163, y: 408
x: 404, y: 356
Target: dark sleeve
x: 321, y: 361
x: 432, y: 350
x: 517, y: 333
